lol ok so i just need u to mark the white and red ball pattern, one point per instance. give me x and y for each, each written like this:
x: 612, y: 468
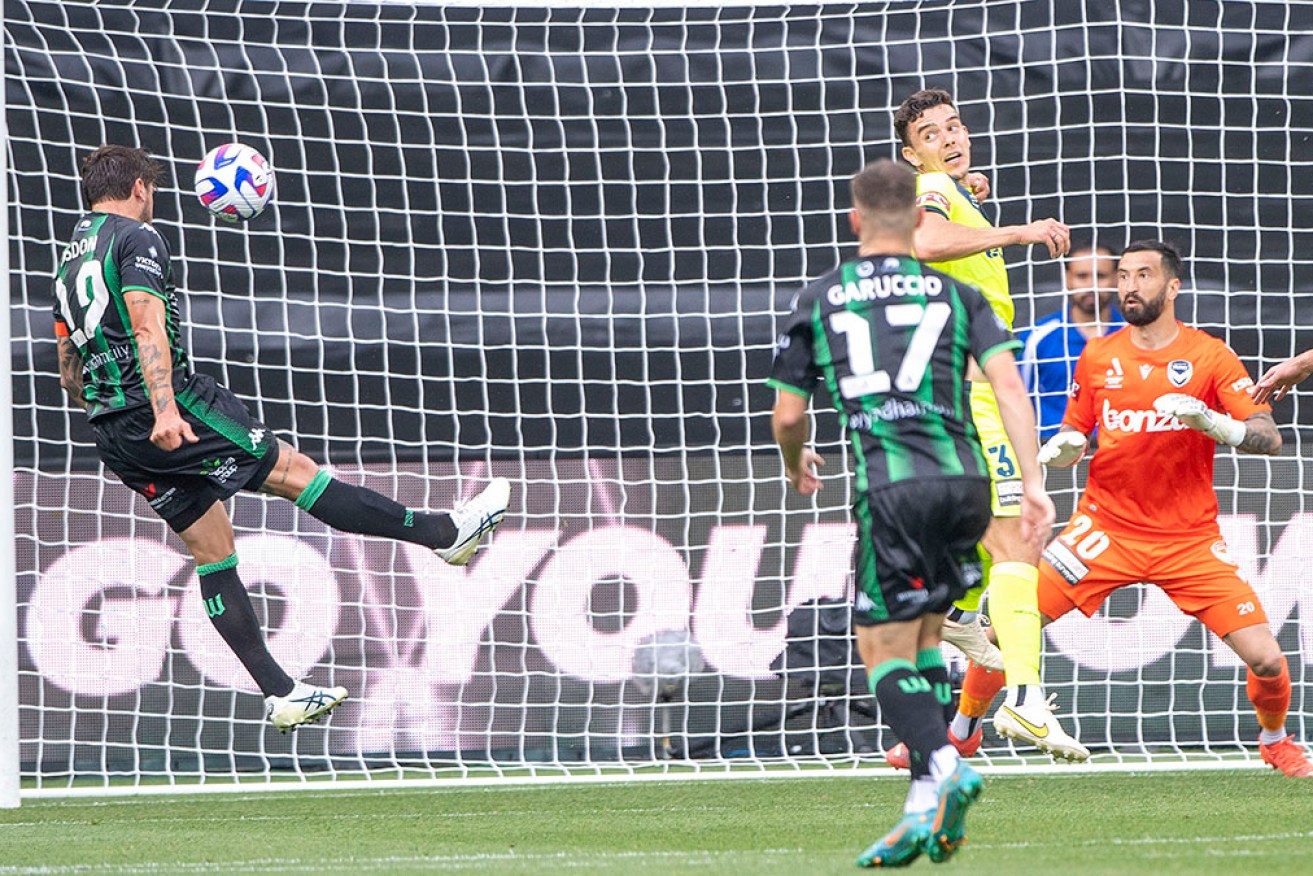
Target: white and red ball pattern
x: 234, y: 182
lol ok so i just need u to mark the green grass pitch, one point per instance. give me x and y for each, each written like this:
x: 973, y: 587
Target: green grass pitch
x: 1239, y: 821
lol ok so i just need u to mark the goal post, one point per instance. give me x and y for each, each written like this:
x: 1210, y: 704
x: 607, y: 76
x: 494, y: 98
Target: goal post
x: 556, y: 243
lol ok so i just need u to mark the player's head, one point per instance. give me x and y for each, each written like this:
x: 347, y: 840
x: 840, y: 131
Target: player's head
x: 1090, y: 271
x: 884, y: 202
x: 1148, y: 281
x: 932, y: 134
x: 123, y: 174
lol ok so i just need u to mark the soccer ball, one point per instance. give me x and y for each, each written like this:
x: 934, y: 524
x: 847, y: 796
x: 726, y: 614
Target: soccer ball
x: 234, y: 182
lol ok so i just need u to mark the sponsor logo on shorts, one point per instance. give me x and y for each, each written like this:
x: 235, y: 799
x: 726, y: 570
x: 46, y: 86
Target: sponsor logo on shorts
x: 1067, y: 564
x: 1179, y: 372
x: 973, y: 573
x: 864, y: 602
x: 162, y: 499
x: 219, y: 469
x: 917, y: 596
x: 255, y: 436
x: 1009, y: 493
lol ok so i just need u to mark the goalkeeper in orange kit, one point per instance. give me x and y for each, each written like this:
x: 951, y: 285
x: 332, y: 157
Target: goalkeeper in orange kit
x: 1162, y: 394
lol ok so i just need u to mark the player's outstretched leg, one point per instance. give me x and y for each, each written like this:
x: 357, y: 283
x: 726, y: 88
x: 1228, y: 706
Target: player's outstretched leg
x: 476, y: 518
x: 957, y: 792
x: 900, y: 846
x: 306, y: 704
x: 966, y: 632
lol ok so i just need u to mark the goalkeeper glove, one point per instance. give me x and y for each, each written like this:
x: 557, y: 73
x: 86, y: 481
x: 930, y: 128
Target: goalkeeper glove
x: 1063, y: 449
x: 1198, y: 416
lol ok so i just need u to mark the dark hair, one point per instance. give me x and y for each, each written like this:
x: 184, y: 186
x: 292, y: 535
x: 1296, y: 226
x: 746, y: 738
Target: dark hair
x: 915, y: 106
x: 1079, y: 245
x: 884, y: 190
x: 109, y: 173
x: 1171, y: 258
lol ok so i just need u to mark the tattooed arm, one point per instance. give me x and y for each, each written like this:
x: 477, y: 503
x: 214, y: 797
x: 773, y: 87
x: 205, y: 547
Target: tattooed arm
x: 1261, y: 435
x: 70, y: 371
x: 147, y: 315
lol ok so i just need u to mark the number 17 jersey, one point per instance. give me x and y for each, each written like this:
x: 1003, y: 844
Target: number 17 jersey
x: 889, y: 338
x: 108, y: 256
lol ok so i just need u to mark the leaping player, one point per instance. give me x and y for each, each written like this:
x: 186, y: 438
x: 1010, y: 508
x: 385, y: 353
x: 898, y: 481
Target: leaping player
x: 957, y: 238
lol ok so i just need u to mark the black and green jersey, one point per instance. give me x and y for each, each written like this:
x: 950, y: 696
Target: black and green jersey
x: 108, y: 256
x: 890, y: 339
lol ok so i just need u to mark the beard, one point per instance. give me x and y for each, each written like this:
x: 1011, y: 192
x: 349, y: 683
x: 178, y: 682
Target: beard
x: 1148, y: 311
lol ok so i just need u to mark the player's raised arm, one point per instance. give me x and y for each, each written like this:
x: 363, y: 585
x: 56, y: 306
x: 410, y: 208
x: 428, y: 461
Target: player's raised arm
x: 941, y: 240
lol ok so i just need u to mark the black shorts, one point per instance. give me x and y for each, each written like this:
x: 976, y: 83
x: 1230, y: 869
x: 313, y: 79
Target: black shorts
x: 235, y: 452
x: 916, y: 547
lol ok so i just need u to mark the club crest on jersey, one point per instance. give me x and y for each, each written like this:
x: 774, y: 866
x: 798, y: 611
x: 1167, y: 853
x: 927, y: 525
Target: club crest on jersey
x: 1179, y: 372
x: 865, y: 269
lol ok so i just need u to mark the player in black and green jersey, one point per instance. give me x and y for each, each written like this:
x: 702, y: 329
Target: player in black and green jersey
x: 186, y: 443
x: 890, y: 339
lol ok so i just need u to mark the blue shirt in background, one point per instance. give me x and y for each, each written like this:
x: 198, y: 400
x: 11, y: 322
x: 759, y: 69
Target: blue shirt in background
x: 1048, y: 361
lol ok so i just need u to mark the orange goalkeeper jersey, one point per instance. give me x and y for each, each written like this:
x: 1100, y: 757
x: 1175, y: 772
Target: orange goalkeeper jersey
x: 1151, y: 472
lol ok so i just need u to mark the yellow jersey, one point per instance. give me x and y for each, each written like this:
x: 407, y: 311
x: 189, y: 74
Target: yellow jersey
x: 985, y: 270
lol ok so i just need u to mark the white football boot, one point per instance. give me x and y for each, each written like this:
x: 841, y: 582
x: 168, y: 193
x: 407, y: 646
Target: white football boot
x: 1035, y: 724
x: 969, y: 638
x: 306, y: 704
x: 475, y: 519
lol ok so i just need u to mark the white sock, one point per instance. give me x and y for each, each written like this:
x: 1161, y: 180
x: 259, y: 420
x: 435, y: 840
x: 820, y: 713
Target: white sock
x: 923, y: 796
x: 942, y: 763
x: 1025, y: 695
x: 962, y: 726
x: 1271, y: 737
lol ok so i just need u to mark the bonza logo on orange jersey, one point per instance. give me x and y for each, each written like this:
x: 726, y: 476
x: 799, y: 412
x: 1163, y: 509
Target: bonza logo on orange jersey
x: 1139, y: 421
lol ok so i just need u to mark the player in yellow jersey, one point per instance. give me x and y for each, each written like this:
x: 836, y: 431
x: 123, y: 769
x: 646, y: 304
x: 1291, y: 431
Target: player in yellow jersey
x: 956, y: 237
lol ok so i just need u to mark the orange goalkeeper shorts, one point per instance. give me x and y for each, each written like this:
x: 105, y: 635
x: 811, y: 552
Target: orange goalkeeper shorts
x: 1085, y: 563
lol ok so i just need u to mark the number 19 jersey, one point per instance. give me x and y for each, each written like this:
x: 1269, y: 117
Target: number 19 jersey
x: 108, y: 256
x: 889, y: 338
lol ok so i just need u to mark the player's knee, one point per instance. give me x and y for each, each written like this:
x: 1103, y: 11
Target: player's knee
x: 1268, y: 662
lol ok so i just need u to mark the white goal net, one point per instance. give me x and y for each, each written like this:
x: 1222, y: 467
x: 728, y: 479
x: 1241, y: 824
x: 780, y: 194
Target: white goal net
x: 555, y: 244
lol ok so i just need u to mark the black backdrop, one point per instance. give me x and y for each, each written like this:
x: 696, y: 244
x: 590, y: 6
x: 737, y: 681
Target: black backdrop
x: 594, y: 195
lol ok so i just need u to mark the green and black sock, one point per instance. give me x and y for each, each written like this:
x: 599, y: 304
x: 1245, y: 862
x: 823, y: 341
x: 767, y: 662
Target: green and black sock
x: 230, y: 610
x: 356, y: 509
x: 930, y: 663
x: 908, y: 705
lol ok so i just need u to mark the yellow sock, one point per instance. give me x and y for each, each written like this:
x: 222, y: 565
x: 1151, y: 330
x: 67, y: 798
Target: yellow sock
x: 1014, y: 612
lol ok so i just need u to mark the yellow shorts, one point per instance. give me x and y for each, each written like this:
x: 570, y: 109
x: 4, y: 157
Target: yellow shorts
x: 1004, y: 473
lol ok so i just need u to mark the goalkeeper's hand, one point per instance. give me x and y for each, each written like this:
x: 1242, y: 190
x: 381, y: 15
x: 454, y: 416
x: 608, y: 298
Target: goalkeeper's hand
x: 1063, y: 449
x: 1198, y: 416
